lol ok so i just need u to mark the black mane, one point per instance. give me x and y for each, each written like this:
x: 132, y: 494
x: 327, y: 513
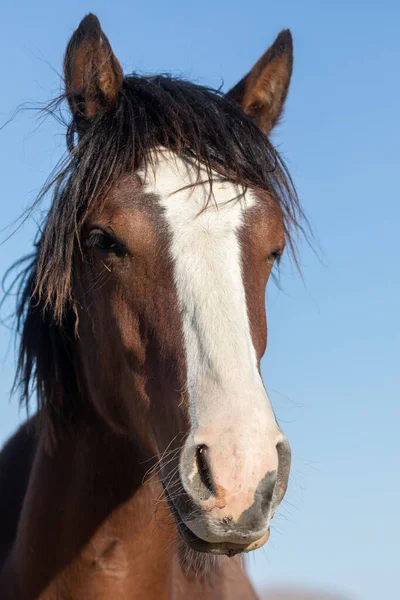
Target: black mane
x: 152, y: 111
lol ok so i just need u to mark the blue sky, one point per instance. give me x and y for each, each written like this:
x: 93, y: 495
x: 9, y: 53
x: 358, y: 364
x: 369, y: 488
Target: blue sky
x: 332, y: 364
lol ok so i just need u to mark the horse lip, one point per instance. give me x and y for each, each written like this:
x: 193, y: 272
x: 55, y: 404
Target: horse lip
x: 224, y: 548
x: 199, y: 545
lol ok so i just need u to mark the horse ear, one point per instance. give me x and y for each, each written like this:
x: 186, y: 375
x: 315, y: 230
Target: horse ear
x: 262, y: 92
x: 93, y: 75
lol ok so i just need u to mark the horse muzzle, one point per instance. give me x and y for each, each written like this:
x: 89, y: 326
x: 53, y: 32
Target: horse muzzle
x: 227, y: 499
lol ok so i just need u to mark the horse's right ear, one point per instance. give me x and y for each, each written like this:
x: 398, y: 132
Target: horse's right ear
x: 93, y: 75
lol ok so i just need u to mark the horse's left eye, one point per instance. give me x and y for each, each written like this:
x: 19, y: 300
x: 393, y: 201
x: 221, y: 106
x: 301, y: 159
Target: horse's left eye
x: 274, y: 255
x: 106, y: 243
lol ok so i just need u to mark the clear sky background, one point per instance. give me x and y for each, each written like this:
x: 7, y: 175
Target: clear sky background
x: 332, y: 364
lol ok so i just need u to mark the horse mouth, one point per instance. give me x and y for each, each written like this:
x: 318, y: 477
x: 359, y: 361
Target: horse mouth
x: 223, y: 548
x: 217, y: 548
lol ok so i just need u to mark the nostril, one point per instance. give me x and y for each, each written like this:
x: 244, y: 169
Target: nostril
x: 203, y: 468
x: 284, y: 460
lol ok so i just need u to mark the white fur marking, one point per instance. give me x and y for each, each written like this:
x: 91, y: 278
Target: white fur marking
x: 223, y: 382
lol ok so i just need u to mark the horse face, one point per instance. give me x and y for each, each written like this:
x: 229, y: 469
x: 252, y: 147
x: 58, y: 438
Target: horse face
x: 172, y: 297
x: 174, y: 302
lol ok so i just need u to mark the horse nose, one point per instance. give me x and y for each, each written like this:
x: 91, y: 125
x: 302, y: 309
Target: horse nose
x: 235, y: 490
x: 216, y: 493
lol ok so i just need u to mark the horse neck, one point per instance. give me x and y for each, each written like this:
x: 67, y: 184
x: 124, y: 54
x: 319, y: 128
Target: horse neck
x: 88, y: 520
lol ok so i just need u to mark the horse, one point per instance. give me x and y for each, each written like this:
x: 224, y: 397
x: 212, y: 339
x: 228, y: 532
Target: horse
x: 154, y: 459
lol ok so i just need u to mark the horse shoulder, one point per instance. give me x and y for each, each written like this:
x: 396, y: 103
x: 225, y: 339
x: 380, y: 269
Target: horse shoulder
x: 16, y: 458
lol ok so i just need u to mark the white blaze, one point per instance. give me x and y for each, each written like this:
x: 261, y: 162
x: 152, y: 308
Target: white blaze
x: 226, y: 395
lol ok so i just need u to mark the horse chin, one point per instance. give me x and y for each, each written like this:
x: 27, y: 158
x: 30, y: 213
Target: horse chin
x: 223, y: 548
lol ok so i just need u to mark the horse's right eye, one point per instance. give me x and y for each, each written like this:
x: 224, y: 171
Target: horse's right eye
x: 106, y: 243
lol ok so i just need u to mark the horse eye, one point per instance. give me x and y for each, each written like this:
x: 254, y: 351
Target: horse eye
x: 274, y: 255
x: 106, y: 243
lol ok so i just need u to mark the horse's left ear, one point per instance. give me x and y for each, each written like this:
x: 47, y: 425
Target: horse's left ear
x: 93, y: 75
x: 262, y: 92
